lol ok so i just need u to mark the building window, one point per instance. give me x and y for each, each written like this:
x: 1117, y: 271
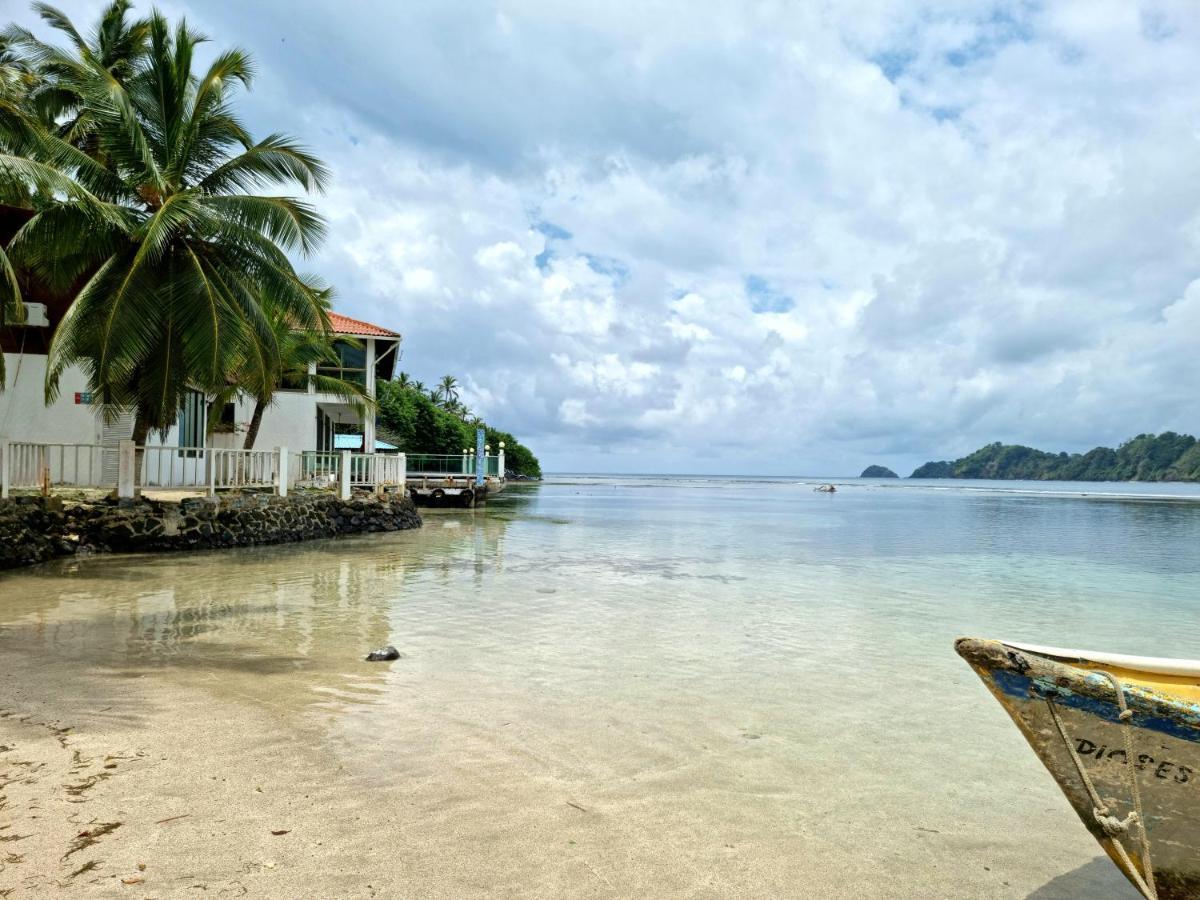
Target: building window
x: 294, y: 381
x: 192, y: 424
x: 351, y: 362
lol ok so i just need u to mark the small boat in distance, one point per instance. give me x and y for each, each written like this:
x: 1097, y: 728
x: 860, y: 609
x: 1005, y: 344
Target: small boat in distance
x: 1121, y: 736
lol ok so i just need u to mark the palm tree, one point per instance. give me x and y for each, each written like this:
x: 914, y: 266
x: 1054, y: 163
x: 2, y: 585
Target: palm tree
x: 447, y: 392
x: 117, y: 46
x: 160, y: 224
x: 16, y: 80
x: 35, y: 97
x: 298, y: 349
x: 403, y: 381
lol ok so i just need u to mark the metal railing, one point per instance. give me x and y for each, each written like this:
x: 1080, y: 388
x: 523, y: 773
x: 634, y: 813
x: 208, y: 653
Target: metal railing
x: 29, y: 465
x: 235, y: 469
x: 377, y: 469
x: 316, y: 469
x: 211, y: 468
x: 450, y: 464
x: 26, y: 465
x: 172, y: 467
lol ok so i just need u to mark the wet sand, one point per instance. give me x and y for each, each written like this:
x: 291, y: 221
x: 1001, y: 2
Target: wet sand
x: 205, y: 726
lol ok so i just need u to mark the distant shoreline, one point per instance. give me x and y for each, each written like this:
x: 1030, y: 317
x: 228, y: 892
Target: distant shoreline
x: 1150, y: 458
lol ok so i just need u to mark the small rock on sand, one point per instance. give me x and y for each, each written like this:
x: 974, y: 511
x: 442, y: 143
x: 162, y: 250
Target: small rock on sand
x: 383, y: 654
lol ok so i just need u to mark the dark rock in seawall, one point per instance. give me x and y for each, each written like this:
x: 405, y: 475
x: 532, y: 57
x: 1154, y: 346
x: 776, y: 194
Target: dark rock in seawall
x: 35, y: 529
x: 878, y: 472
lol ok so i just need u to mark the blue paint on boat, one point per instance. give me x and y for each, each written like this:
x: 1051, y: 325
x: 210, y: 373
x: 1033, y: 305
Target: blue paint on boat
x: 1021, y: 687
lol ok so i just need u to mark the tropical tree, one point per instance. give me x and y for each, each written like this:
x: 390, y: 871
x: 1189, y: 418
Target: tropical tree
x: 298, y: 349
x: 447, y: 392
x: 161, y: 225
x: 16, y: 80
x: 117, y: 46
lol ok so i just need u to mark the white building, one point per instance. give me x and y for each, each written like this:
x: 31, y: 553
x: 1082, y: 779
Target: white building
x: 300, y: 419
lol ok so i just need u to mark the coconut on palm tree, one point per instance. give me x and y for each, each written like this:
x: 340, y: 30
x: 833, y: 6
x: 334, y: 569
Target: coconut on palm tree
x: 161, y: 226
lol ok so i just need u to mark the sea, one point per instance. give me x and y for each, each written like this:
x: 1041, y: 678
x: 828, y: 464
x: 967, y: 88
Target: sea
x: 748, y: 687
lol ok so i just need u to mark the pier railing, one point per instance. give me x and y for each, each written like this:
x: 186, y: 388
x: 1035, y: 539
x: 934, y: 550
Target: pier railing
x: 452, y: 464
x: 128, y: 468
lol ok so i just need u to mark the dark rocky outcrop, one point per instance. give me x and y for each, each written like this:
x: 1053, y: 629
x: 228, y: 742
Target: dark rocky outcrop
x: 35, y: 529
x: 878, y: 472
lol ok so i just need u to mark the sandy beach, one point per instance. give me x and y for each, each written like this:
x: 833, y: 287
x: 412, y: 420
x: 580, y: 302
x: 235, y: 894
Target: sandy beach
x: 577, y: 713
x: 126, y: 788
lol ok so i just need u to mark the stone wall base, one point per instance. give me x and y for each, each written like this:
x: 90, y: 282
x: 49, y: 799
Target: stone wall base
x: 35, y: 529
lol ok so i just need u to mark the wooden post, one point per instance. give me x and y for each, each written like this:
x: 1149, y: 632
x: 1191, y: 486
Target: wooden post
x: 403, y: 474
x: 126, y: 470
x: 344, y: 476
x: 5, y: 468
x: 281, y: 477
x: 212, y: 472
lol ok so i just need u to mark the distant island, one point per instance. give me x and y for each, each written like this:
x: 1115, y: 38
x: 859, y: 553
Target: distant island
x: 1147, y: 457
x: 878, y: 472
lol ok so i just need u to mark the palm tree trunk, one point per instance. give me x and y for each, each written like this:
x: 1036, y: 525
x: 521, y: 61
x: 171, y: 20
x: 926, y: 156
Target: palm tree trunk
x: 141, y: 430
x: 255, y: 422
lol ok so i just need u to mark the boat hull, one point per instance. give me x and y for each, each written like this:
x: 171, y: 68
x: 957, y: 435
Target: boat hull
x: 1166, y: 746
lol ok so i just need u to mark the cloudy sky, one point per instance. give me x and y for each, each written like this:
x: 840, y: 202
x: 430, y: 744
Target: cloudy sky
x: 775, y: 237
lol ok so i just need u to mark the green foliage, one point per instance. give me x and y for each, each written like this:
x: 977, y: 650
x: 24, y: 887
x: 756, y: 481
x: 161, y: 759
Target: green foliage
x: 144, y: 188
x: 518, y: 458
x: 1147, y: 457
x: 941, y: 469
x: 409, y: 418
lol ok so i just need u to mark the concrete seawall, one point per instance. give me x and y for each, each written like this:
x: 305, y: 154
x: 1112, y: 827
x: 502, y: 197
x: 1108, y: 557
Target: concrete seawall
x: 35, y: 529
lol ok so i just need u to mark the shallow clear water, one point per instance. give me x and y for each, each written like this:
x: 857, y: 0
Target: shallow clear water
x: 759, y: 676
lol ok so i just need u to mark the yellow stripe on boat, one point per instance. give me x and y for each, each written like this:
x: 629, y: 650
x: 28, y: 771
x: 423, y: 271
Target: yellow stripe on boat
x: 1067, y: 706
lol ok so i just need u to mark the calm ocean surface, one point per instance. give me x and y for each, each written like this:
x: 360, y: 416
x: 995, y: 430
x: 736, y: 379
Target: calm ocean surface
x: 754, y: 683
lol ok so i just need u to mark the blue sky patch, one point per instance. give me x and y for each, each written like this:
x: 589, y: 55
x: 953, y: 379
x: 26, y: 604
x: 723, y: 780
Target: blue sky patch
x: 607, y: 265
x: 552, y: 231
x: 764, y: 298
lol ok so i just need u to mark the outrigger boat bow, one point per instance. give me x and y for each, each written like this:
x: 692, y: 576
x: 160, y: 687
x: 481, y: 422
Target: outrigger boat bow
x: 1121, y: 736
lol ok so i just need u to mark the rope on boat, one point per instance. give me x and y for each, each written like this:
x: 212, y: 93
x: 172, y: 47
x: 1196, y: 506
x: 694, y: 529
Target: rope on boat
x: 1113, y: 827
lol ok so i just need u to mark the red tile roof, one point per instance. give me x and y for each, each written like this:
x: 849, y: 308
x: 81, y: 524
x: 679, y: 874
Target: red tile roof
x: 346, y: 325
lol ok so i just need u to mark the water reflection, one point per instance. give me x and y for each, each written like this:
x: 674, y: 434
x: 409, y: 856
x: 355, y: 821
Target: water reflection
x: 231, y: 621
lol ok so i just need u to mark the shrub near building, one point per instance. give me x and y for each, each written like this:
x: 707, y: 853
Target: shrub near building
x: 410, y: 418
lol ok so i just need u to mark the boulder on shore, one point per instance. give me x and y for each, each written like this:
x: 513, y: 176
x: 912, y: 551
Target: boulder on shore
x: 878, y: 472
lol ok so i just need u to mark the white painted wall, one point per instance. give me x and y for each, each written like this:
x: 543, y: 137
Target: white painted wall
x: 291, y: 421
x: 25, y: 417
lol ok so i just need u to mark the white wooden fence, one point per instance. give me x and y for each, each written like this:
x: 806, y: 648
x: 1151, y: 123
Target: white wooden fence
x: 27, y: 465
x: 44, y: 466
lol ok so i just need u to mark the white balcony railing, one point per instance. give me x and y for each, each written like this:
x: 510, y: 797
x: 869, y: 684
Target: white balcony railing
x: 27, y: 465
